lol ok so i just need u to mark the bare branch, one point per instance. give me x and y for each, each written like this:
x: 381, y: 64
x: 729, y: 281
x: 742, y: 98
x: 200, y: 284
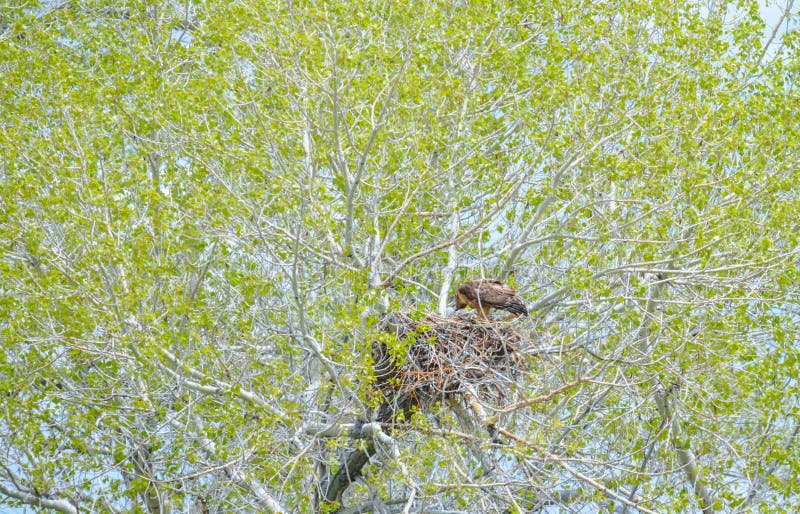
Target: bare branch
x: 685, y: 454
x: 574, y: 472
x: 40, y: 500
x: 456, y: 240
x: 539, y: 399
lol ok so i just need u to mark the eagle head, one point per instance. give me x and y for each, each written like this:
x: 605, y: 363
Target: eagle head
x: 461, y: 301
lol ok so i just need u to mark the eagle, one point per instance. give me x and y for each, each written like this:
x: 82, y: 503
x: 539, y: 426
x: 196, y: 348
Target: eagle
x: 486, y: 294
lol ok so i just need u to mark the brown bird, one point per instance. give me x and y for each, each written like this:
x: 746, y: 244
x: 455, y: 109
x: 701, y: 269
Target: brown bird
x: 486, y: 294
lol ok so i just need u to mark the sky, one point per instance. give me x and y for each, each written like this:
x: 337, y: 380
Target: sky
x: 772, y: 12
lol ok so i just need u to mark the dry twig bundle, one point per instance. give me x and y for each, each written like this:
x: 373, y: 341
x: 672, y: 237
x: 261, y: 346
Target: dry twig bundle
x: 446, y: 357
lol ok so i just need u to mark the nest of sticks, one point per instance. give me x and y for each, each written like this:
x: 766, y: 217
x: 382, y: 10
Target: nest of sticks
x: 444, y: 357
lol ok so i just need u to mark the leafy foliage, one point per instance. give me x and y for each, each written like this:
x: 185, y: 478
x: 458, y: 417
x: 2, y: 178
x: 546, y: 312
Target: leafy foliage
x: 206, y: 207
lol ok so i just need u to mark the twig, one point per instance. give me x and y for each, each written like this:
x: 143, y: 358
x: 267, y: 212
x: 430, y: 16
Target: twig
x: 540, y: 399
x: 574, y: 472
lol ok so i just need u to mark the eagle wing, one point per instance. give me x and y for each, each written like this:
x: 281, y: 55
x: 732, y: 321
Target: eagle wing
x: 487, y: 293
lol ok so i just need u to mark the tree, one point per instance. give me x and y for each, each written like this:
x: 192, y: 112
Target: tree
x: 208, y: 208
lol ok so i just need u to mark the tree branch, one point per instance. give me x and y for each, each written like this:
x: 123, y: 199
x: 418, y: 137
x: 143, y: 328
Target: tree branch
x: 40, y: 500
x: 333, y: 485
x: 685, y: 455
x: 456, y: 240
x: 761, y: 479
x: 574, y: 472
x: 540, y: 399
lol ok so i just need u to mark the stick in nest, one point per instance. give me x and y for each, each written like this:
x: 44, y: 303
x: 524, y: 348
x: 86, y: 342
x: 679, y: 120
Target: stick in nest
x: 446, y: 356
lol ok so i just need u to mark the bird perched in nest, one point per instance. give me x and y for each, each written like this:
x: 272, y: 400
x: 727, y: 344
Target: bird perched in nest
x: 486, y: 294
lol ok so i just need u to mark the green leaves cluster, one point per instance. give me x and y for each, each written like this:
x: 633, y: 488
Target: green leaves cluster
x: 205, y: 207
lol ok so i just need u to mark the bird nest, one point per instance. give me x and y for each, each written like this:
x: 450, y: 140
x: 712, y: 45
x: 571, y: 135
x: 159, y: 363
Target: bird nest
x: 435, y: 358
